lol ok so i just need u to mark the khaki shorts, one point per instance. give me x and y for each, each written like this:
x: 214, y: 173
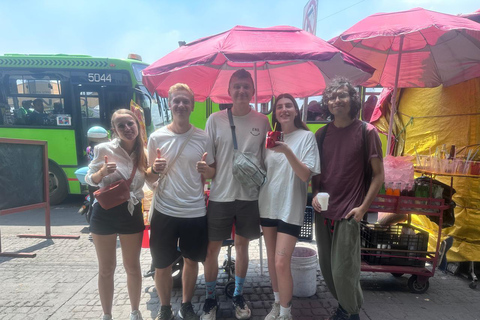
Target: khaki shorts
x: 221, y: 217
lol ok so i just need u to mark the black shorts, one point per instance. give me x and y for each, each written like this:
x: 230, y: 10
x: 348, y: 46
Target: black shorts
x: 222, y: 216
x: 116, y: 220
x: 168, y: 233
x: 282, y: 226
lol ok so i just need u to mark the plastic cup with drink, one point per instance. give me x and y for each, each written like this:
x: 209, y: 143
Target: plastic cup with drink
x: 322, y: 198
x: 272, y: 137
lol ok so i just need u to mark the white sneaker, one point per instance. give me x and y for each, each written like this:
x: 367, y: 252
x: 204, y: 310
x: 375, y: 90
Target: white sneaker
x: 107, y: 317
x: 209, y: 310
x: 136, y: 315
x: 242, y: 311
x: 273, y: 315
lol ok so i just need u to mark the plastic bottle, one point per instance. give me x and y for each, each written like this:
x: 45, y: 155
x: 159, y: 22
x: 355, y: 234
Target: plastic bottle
x: 397, y: 189
x: 411, y: 191
x: 452, y: 152
x: 389, y: 190
x: 382, y: 189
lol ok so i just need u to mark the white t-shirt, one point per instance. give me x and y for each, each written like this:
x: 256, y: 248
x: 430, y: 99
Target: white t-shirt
x: 284, y: 195
x: 182, y: 194
x: 250, y: 130
x: 115, y: 153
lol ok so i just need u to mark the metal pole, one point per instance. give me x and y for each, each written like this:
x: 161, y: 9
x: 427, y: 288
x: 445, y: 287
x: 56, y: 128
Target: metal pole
x: 256, y: 87
x: 305, y: 110
x: 394, y: 98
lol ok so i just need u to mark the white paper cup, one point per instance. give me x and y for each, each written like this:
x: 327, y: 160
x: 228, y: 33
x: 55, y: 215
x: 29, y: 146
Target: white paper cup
x: 322, y: 198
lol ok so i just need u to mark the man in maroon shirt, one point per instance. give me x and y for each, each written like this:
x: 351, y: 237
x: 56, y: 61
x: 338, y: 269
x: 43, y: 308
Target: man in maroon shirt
x: 344, y: 157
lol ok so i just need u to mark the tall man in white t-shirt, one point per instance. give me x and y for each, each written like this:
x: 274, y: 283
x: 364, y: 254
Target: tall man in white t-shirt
x: 230, y: 203
x: 178, y: 151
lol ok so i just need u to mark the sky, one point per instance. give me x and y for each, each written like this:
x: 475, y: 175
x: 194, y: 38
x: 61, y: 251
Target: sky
x: 152, y: 28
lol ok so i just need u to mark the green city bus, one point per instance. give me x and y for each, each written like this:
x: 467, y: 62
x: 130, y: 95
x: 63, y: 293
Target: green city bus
x: 77, y: 92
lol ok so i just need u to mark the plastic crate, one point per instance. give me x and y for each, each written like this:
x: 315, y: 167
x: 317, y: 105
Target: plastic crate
x: 391, y: 237
x: 306, y: 233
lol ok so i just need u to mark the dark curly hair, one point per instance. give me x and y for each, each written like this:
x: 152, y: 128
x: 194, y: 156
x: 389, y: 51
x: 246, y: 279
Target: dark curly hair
x: 336, y: 84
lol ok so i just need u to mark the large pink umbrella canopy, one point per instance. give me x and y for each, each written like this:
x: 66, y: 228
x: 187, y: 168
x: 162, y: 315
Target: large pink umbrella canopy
x: 437, y: 48
x: 414, y: 48
x: 285, y: 60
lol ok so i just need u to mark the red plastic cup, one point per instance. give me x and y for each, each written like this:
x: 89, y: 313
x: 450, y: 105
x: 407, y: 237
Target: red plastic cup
x: 272, y: 137
x: 475, y: 168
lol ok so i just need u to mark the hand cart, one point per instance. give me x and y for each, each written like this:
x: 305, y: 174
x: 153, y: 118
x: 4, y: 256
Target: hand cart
x: 397, y: 249
x: 474, y: 175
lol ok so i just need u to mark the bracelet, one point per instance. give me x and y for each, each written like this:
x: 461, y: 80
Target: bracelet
x: 153, y: 170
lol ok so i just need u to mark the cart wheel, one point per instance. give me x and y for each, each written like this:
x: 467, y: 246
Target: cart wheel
x: 230, y: 289
x: 415, y: 286
x: 397, y: 275
x: 473, y: 285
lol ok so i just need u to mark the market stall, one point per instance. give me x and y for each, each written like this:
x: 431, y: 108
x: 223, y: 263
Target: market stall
x: 431, y: 119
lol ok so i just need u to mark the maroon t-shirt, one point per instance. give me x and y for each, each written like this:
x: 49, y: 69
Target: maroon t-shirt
x: 342, y: 164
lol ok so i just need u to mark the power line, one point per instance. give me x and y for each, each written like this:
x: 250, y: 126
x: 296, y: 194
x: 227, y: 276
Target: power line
x: 340, y: 11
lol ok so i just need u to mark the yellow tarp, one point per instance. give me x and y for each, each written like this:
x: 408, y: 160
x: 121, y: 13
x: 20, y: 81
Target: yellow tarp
x: 431, y: 117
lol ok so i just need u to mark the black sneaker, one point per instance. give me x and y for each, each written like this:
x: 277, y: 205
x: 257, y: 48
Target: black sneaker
x: 165, y: 313
x: 241, y: 308
x: 187, y: 313
x: 209, y: 310
x: 339, y: 314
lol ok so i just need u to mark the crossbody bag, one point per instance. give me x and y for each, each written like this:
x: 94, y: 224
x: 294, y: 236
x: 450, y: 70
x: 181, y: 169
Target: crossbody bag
x: 245, y: 167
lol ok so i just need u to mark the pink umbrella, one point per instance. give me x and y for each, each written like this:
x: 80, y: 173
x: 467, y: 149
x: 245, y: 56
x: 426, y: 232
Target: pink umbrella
x: 281, y: 59
x: 475, y: 16
x: 414, y: 48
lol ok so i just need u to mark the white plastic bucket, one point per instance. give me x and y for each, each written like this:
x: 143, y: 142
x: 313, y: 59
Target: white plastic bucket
x: 304, y: 272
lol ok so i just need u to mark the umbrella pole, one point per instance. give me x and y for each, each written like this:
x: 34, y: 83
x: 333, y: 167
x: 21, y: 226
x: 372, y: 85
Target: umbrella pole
x: 256, y: 87
x: 394, y: 99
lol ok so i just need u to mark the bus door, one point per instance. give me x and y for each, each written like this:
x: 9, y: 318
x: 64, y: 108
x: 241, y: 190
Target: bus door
x: 97, y: 104
x: 91, y: 112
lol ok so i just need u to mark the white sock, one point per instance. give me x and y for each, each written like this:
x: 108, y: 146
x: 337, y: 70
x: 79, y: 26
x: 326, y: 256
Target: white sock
x: 285, y: 311
x: 277, y: 296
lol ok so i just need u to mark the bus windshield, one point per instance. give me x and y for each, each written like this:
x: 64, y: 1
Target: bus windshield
x: 137, y: 71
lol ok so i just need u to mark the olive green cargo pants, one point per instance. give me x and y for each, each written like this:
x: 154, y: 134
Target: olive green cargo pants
x: 339, y: 257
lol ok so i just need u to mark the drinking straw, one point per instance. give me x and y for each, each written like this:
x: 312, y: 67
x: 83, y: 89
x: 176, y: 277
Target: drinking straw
x: 469, y: 154
x: 465, y: 169
x: 275, y: 127
x: 473, y: 157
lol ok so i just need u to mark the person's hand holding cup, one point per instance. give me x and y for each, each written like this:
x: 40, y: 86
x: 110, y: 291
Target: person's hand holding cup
x: 320, y: 202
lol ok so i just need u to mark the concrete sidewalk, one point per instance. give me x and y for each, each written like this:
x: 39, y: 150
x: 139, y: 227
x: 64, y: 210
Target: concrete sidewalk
x: 61, y: 282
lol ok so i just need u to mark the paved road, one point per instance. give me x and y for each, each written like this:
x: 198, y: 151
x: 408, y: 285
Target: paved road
x: 61, y: 282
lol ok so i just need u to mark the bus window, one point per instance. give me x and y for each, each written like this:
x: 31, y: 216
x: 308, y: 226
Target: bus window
x: 34, y: 100
x: 90, y: 104
x: 116, y: 98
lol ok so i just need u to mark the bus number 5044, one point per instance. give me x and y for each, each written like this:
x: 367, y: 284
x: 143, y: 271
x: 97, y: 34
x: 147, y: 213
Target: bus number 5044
x: 97, y: 77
